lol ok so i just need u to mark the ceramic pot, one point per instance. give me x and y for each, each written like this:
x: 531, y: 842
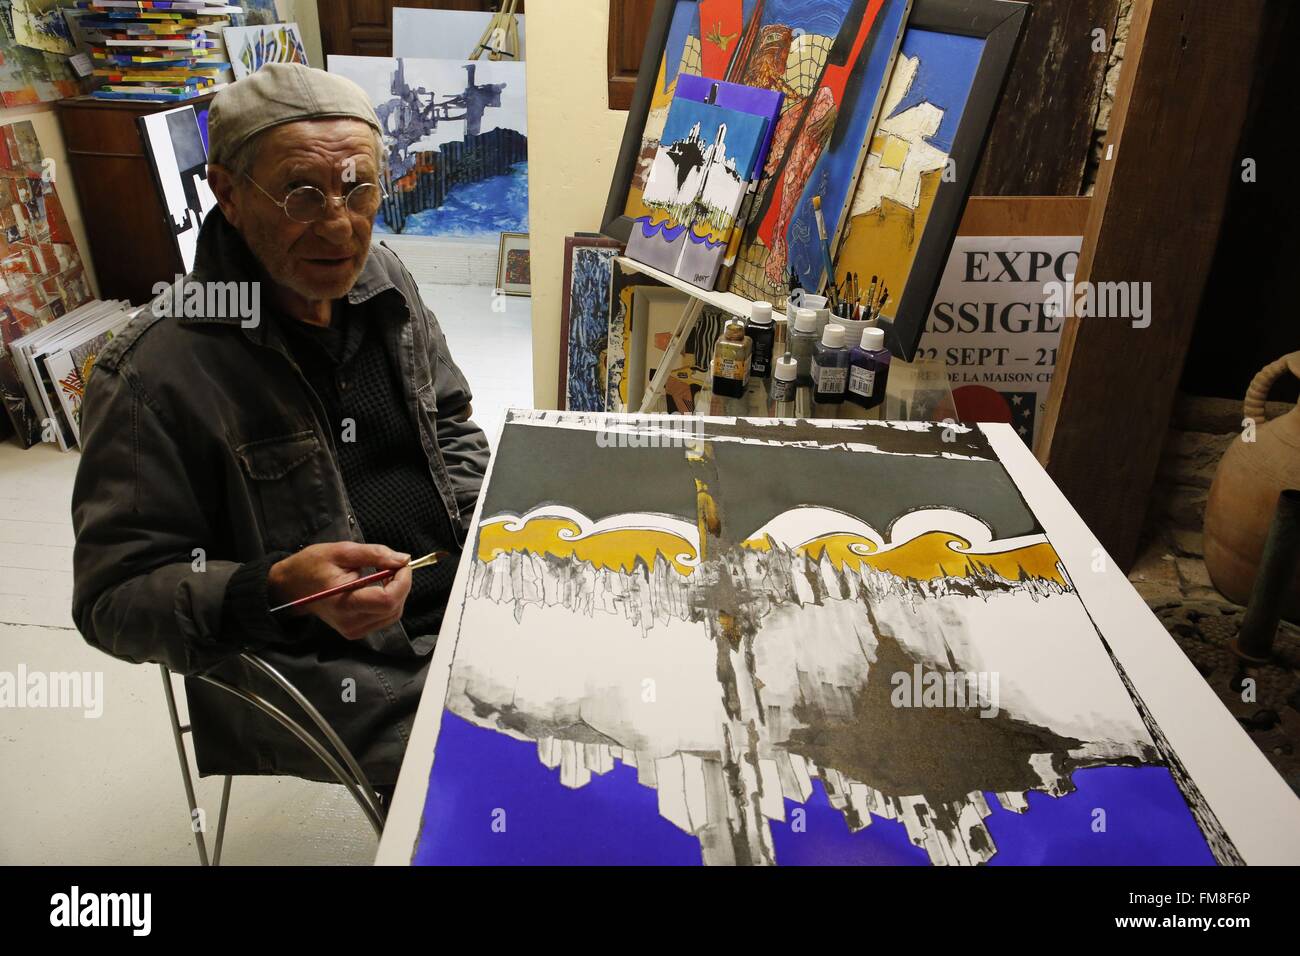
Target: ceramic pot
x: 1244, y: 494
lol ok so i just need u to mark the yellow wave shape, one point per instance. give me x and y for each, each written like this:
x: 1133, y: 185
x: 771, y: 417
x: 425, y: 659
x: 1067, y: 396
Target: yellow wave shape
x: 933, y: 554
x: 617, y: 550
x: 930, y: 555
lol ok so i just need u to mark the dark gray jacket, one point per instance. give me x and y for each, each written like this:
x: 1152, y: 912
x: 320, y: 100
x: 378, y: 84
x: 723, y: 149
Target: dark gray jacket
x: 203, y: 448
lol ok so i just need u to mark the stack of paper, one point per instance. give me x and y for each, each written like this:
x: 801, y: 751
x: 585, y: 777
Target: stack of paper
x: 54, y: 364
x: 160, y: 51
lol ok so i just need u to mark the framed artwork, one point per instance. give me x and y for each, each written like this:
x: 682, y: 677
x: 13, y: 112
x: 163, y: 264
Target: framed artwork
x: 710, y: 646
x: 457, y: 139
x: 176, y: 149
x: 914, y: 185
x: 514, y: 269
x: 830, y: 59
x: 252, y: 47
x: 626, y: 282
x: 584, y: 321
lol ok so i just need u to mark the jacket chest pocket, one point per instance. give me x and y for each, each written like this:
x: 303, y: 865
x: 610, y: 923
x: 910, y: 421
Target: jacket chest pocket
x: 286, y: 479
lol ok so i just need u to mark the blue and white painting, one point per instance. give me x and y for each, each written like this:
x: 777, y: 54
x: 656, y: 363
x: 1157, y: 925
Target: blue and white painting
x: 591, y: 273
x: 718, y: 650
x: 456, y: 132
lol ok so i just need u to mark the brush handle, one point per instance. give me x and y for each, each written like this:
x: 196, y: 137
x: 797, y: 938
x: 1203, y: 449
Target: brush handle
x: 362, y: 582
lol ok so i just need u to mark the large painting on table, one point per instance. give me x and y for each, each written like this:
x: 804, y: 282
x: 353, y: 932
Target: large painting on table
x: 457, y: 138
x: 699, y: 641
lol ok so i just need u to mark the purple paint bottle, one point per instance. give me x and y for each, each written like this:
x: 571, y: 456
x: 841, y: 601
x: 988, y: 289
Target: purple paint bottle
x: 869, y: 369
x: 830, y: 366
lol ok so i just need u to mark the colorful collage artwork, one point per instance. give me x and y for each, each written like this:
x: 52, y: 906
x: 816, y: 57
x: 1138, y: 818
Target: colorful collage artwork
x: 29, y: 75
x: 251, y: 48
x: 41, y: 275
x: 906, y: 166
x: 830, y: 59
x: 723, y: 652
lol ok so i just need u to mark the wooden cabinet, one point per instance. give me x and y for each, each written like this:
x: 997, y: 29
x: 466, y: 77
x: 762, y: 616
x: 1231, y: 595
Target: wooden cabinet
x: 130, y: 237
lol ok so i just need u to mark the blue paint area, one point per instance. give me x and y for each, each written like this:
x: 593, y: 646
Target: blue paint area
x: 668, y: 229
x: 614, y: 820
x: 833, y: 176
x: 1147, y: 823
x: 478, y: 210
x: 704, y: 241
x: 479, y: 773
x: 744, y: 131
x: 821, y: 17
x: 589, y: 287
x: 735, y: 96
x: 944, y: 78
x: 202, y: 116
x: 685, y: 22
x: 825, y: 840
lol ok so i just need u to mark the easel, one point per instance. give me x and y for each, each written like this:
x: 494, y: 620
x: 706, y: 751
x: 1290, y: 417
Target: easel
x: 501, y: 36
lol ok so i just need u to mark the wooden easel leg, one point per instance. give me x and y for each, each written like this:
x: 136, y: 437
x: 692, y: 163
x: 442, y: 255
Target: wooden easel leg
x: 685, y: 325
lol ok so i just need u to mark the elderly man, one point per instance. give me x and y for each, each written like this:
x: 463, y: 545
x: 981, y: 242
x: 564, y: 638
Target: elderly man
x: 232, y: 463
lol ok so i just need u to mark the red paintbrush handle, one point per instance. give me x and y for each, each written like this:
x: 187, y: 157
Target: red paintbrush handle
x: 339, y: 589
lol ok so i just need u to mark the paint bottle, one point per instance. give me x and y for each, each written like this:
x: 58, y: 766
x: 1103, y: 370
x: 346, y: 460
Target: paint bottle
x: 731, y: 357
x: 803, y: 339
x: 869, y: 369
x: 762, y: 333
x: 830, y: 367
x: 784, y: 373
x: 780, y: 335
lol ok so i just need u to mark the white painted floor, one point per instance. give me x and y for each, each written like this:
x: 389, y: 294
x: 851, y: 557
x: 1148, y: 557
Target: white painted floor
x: 107, y: 790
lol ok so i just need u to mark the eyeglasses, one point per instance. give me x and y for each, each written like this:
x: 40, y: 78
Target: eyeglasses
x: 308, y: 204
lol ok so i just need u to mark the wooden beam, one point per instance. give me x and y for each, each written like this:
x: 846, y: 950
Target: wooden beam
x: 1155, y: 217
x: 1043, y: 128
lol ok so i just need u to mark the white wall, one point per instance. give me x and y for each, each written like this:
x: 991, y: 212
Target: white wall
x: 573, y: 140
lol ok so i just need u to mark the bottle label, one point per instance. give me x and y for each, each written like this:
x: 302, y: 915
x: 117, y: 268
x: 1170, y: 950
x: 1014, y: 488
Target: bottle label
x: 828, y: 378
x: 862, y: 381
x: 729, y: 368
x: 782, y: 391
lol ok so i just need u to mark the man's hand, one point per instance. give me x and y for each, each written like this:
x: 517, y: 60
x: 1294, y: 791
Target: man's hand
x: 354, y: 614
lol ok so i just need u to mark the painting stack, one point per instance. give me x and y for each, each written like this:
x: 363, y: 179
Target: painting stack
x: 157, y: 51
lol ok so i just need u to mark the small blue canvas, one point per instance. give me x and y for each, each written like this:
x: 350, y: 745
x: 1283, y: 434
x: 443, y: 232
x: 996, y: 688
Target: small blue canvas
x: 696, y: 184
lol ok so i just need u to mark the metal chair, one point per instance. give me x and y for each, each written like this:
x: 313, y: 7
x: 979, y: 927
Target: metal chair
x: 348, y: 772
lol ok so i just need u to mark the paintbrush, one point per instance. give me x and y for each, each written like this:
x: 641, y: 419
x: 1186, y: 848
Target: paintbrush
x: 377, y: 578
x: 821, y: 234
